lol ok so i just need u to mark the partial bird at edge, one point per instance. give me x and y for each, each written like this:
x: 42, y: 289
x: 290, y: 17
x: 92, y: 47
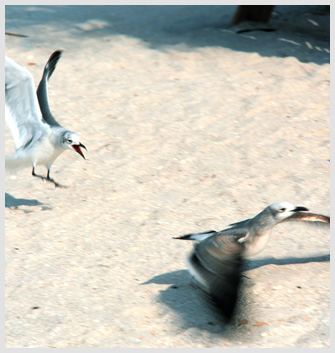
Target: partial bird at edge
x: 38, y: 138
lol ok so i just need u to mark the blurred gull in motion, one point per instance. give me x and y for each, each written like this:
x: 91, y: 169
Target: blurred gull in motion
x: 38, y: 137
x: 216, y: 260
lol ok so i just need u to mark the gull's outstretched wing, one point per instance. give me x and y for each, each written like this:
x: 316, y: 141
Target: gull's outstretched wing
x: 216, y: 264
x: 42, y: 90
x: 23, y: 114
x: 310, y: 218
x: 238, y: 229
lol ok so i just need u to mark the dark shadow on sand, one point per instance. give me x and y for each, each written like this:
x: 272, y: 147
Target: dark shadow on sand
x: 12, y: 202
x: 253, y: 264
x: 300, y: 31
x: 193, y: 307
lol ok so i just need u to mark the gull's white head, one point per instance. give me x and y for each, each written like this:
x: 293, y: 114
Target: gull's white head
x: 72, y: 141
x: 282, y: 210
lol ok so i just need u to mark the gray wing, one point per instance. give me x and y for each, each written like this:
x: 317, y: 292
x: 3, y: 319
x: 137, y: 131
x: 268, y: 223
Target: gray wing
x: 241, y: 224
x: 23, y: 115
x: 310, y: 218
x: 216, y: 264
x: 42, y: 90
x: 238, y: 228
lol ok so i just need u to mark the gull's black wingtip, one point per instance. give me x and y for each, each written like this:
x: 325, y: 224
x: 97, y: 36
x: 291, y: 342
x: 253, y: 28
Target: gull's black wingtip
x: 52, y: 62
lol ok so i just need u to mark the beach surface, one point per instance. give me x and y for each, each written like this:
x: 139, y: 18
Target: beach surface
x: 189, y: 126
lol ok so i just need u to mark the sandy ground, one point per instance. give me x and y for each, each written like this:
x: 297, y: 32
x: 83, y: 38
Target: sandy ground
x: 189, y: 126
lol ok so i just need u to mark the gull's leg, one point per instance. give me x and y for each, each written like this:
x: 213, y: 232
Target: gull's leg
x: 36, y: 175
x: 33, y: 172
x: 47, y: 178
x: 57, y: 185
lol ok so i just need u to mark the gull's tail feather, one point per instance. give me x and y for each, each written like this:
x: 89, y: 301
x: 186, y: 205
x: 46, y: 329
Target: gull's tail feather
x: 197, y: 236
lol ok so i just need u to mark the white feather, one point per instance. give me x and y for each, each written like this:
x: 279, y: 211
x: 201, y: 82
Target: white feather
x: 23, y: 115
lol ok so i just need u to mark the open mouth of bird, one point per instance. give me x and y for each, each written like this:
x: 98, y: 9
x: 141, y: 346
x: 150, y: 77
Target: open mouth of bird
x: 78, y: 149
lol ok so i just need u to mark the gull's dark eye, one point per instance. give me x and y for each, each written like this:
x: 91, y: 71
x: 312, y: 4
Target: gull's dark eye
x: 282, y: 209
x: 69, y: 141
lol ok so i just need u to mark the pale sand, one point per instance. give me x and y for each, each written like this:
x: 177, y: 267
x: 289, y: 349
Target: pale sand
x: 189, y: 127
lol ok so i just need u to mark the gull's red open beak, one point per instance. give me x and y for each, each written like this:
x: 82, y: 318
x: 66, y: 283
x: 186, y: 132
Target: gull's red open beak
x: 77, y: 149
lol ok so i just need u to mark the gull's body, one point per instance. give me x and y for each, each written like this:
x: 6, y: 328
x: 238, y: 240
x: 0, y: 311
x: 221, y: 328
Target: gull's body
x: 38, y: 138
x: 216, y: 260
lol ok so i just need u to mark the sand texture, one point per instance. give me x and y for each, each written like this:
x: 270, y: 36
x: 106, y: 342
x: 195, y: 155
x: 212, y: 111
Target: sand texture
x: 189, y: 126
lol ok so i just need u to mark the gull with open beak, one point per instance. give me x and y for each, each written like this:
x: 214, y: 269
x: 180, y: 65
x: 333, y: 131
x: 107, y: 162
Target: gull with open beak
x: 38, y: 137
x: 216, y: 260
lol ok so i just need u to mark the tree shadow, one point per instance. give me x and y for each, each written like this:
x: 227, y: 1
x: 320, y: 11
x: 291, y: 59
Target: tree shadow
x: 301, y: 31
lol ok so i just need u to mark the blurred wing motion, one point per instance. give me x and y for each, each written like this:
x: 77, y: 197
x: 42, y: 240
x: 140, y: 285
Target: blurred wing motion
x: 216, y: 265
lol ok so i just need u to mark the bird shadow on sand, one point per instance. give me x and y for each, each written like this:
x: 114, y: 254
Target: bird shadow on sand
x: 193, y: 308
x: 253, y: 264
x: 14, y: 203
